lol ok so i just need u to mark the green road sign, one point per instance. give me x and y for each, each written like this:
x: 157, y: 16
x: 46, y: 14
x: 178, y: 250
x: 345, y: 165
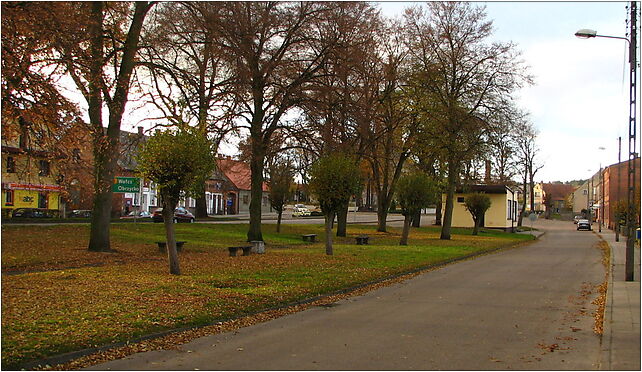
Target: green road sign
x: 126, y: 184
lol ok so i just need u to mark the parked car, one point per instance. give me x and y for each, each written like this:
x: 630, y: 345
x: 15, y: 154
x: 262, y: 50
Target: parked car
x: 300, y: 211
x: 180, y: 215
x: 142, y: 214
x: 577, y: 218
x: 30, y: 213
x: 583, y: 225
x: 80, y: 213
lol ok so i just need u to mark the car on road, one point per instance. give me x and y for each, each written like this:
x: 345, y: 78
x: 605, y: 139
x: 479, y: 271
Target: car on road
x: 577, y: 218
x: 30, y: 213
x: 583, y: 225
x: 134, y: 214
x: 80, y: 213
x: 300, y: 210
x: 180, y: 215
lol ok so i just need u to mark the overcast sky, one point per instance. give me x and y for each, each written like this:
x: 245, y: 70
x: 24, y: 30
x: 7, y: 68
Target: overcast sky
x: 579, y: 102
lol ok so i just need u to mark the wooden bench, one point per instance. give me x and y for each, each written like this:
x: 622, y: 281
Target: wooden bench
x: 362, y: 239
x: 246, y: 250
x: 309, y: 238
x: 162, y: 246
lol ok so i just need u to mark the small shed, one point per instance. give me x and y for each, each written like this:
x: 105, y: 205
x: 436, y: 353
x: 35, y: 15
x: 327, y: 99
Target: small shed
x: 502, y: 213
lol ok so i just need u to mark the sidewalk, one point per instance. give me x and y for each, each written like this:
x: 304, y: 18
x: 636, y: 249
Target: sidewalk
x: 621, y: 338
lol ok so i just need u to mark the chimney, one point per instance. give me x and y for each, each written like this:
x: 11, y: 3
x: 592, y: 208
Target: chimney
x: 140, y: 131
x: 487, y: 176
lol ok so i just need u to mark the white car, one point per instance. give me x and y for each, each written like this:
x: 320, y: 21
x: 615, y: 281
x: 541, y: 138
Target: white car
x: 300, y: 211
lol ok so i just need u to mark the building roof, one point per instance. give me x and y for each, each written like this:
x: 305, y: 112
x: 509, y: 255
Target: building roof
x: 488, y: 189
x: 558, y: 191
x: 238, y: 173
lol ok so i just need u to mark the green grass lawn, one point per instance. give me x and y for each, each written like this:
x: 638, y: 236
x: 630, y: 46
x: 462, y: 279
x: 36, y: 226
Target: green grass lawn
x: 60, y: 297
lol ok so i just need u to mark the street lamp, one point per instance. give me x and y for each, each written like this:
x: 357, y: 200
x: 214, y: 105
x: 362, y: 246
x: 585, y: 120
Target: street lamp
x: 631, y: 222
x: 586, y: 33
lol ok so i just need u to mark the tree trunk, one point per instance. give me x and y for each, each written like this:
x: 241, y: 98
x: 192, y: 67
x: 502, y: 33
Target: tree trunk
x: 170, y: 237
x: 342, y: 221
x: 278, y: 221
x: 406, y: 230
x: 256, y: 192
x: 201, y: 206
x: 106, y: 146
x: 438, y: 212
x: 520, y: 218
x: 476, y: 227
x: 329, y: 219
x: 532, y: 191
x: 101, y: 209
x: 416, y: 219
x: 450, y: 194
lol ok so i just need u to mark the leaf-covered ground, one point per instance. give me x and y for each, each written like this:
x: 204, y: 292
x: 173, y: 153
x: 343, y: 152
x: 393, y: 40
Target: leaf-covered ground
x: 59, y: 297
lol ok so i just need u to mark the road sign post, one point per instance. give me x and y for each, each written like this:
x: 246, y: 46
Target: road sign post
x: 126, y: 185
x: 532, y: 217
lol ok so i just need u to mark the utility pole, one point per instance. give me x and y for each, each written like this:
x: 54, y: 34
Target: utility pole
x: 599, y: 226
x: 631, y: 220
x: 619, y: 184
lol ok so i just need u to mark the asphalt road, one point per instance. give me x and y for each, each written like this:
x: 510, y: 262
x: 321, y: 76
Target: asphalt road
x: 523, y: 308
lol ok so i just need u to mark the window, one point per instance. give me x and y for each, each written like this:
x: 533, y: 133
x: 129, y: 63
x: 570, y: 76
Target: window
x: 585, y: 192
x: 43, y: 168
x: 245, y: 199
x: 42, y: 200
x: 11, y: 164
x: 8, y: 197
x: 510, y: 210
x: 460, y: 199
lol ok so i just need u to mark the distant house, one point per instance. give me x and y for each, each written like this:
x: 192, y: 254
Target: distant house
x: 30, y: 179
x: 557, y: 196
x: 31, y: 173
x: 580, y: 198
x: 233, y: 181
x: 503, y: 211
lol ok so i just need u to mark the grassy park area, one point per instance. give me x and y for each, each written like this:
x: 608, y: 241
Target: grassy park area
x: 58, y: 297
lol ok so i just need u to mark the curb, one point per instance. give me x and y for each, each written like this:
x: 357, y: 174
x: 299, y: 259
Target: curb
x: 70, y: 356
x: 606, y: 337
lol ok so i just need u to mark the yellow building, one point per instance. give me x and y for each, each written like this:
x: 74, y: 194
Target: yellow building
x: 502, y: 213
x: 29, y: 178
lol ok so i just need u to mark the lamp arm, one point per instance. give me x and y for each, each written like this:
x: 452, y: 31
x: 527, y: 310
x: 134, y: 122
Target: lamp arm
x: 615, y: 37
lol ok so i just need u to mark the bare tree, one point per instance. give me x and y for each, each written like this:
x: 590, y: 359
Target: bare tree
x: 94, y: 45
x: 274, y: 50
x: 528, y: 164
x: 465, y: 79
x: 186, y: 78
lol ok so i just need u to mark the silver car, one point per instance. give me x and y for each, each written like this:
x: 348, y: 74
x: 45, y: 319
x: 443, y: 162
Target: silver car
x: 583, y: 225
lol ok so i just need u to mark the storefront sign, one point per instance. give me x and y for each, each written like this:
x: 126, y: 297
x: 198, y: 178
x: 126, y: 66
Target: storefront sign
x: 27, y: 186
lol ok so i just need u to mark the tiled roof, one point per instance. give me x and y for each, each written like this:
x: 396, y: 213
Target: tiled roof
x: 558, y: 191
x: 238, y: 172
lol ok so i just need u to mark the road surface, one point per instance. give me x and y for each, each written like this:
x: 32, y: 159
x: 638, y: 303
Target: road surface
x: 522, y: 308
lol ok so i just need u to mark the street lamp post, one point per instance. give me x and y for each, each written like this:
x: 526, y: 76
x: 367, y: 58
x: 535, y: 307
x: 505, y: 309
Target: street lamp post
x: 630, y: 218
x: 601, y: 222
